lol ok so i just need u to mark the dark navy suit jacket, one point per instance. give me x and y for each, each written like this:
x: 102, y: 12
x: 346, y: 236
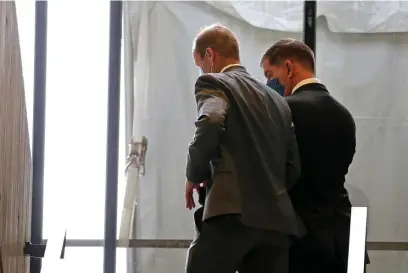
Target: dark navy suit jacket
x: 326, y: 136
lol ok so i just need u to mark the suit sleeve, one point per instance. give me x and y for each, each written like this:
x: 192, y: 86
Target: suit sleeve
x: 212, y: 108
x: 293, y: 168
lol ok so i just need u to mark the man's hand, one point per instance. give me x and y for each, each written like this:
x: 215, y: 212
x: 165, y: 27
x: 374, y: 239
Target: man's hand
x: 188, y: 193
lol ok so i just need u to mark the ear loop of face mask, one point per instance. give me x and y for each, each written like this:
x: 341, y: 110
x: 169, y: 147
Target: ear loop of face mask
x: 202, y: 63
x: 211, y: 66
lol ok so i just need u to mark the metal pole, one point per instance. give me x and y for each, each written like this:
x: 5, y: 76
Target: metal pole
x: 111, y: 195
x: 309, y: 25
x: 129, y: 71
x: 179, y: 244
x: 40, y: 72
x: 129, y: 98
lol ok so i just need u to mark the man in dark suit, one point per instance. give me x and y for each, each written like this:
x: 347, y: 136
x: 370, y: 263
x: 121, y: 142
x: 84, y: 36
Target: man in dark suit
x: 326, y: 137
x: 244, y: 146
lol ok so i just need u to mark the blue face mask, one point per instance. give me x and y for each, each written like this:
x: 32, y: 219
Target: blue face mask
x: 276, y: 85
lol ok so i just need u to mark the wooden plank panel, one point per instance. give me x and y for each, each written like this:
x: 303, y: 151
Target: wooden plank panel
x: 15, y: 159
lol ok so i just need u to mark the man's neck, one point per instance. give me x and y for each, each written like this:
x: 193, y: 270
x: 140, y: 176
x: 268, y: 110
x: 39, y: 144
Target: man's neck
x: 299, y: 78
x: 303, y: 76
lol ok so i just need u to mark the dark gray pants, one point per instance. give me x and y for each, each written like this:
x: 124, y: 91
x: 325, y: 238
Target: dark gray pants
x: 224, y: 245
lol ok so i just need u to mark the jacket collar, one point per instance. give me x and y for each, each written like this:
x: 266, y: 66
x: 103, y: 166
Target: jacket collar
x: 311, y: 86
x: 235, y: 67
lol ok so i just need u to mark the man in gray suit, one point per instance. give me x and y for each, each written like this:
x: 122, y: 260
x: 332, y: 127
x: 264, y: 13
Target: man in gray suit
x: 244, y: 146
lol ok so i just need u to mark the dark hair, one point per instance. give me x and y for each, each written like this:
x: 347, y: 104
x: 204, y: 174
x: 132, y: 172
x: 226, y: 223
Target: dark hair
x: 291, y: 49
x: 219, y: 38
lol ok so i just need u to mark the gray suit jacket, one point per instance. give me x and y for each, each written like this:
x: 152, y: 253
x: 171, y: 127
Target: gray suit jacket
x: 244, y: 144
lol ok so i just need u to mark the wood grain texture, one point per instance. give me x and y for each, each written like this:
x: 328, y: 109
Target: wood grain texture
x: 15, y: 159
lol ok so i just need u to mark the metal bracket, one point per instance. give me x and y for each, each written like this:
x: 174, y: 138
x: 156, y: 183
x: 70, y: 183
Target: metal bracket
x: 38, y: 250
x: 137, y: 155
x: 34, y: 250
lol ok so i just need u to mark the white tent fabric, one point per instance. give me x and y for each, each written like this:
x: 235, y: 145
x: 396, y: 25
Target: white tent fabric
x: 342, y: 16
x: 360, y: 57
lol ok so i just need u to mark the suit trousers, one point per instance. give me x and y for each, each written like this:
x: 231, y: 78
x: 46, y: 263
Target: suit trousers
x: 313, y: 254
x: 224, y: 245
x: 307, y: 256
x: 324, y: 249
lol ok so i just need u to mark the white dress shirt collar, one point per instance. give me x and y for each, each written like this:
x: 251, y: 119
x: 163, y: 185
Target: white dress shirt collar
x: 304, y: 82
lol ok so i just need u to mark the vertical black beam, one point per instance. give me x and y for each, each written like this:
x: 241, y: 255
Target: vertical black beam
x: 309, y: 25
x: 111, y: 195
x: 40, y: 72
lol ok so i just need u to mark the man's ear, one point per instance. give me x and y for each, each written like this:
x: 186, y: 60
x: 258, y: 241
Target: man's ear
x: 209, y: 52
x: 290, y: 67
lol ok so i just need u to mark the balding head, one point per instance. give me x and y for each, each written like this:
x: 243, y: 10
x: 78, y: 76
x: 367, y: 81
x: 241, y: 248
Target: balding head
x: 214, y: 47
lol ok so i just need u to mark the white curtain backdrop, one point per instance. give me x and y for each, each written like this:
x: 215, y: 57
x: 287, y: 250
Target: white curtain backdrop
x: 360, y: 57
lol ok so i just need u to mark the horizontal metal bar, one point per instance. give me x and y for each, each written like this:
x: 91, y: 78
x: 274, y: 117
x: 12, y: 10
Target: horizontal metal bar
x: 164, y: 243
x: 387, y: 246
x: 132, y: 243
